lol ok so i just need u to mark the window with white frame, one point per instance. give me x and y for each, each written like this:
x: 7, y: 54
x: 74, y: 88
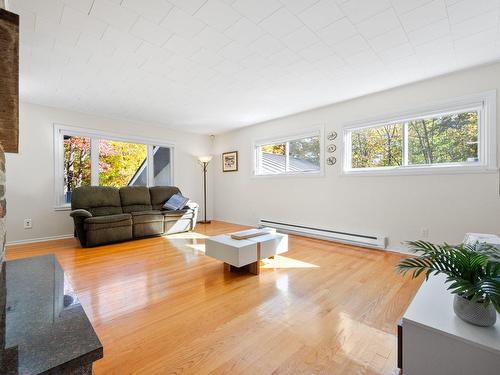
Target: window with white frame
x: 458, y: 135
x: 92, y: 158
x: 292, y: 155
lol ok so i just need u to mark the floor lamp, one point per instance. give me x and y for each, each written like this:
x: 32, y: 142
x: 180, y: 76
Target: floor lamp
x: 204, y: 160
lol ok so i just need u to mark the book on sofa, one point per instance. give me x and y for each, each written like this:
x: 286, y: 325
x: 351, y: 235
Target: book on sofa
x: 176, y: 202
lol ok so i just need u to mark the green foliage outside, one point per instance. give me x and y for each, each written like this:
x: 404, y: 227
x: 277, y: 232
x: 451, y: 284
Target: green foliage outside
x: 305, y: 148
x: 377, y: 147
x: 76, y: 162
x: 276, y: 148
x: 119, y: 161
x: 447, y: 139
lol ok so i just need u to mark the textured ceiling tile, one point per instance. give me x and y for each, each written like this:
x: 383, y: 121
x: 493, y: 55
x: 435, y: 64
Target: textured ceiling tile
x: 150, y: 32
x: 298, y: 6
x: 281, y: 23
x: 73, y: 19
x: 475, y: 24
x: 80, y: 5
x: 152, y: 10
x: 379, y: 24
x: 321, y: 14
x: 388, y: 40
x: 217, y: 14
x: 300, y: 39
x: 359, y: 10
x: 338, y: 31
x: 426, y: 34
x: 403, y: 6
x: 469, y: 8
x: 424, y: 15
x: 182, y: 23
x: 189, y: 6
x: 182, y: 46
x: 351, y: 46
x: 244, y: 31
x: 267, y: 45
x: 212, y: 39
x: 235, y: 72
x: 256, y: 10
x: 115, y: 15
x: 235, y: 51
x: 50, y: 10
x: 316, y: 52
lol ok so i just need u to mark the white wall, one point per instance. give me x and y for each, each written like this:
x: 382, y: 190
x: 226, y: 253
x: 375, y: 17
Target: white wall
x: 396, y: 206
x: 30, y: 174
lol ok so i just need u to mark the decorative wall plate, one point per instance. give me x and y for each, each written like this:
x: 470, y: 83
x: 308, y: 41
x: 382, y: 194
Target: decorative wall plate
x: 332, y: 135
x: 331, y: 148
x: 331, y: 160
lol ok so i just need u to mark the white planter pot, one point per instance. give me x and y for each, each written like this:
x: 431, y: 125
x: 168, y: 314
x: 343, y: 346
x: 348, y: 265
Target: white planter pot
x: 473, y: 312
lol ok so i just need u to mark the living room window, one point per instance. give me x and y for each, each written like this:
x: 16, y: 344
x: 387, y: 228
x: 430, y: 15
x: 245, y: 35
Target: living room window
x: 293, y: 155
x: 94, y: 158
x: 455, y: 136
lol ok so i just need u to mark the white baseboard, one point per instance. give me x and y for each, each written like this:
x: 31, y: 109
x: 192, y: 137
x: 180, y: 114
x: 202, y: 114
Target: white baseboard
x: 40, y: 239
x: 399, y: 250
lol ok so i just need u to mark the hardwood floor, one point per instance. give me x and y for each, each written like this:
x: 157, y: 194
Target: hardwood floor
x: 160, y: 306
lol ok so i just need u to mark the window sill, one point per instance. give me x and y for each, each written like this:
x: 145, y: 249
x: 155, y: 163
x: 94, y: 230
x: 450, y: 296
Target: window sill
x: 421, y: 171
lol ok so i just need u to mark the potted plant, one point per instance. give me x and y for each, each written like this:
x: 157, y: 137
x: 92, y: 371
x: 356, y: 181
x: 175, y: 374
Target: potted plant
x: 473, y: 275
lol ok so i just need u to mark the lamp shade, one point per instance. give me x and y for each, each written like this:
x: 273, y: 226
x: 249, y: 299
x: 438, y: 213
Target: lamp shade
x: 205, y: 159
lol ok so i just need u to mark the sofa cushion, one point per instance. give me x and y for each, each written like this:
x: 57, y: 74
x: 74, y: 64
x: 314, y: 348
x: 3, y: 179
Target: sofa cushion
x: 108, y: 235
x: 161, y: 194
x: 109, y: 221
x: 146, y: 217
x: 175, y: 212
x: 98, y: 200
x: 178, y: 215
x: 135, y: 199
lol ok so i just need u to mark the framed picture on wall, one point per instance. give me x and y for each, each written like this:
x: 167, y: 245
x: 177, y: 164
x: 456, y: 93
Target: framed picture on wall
x: 230, y: 161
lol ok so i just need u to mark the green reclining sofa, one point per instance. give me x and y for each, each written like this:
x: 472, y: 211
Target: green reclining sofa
x: 106, y: 214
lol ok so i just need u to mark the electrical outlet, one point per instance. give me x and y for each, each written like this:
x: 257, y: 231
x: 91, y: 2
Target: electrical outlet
x: 424, y: 233
x: 28, y: 224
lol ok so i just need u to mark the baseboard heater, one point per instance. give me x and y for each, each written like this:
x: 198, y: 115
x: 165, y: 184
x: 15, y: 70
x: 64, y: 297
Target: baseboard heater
x: 379, y: 242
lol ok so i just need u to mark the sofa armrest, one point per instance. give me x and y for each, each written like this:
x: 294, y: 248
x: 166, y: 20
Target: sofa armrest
x: 192, y: 205
x: 79, y: 216
x: 80, y: 213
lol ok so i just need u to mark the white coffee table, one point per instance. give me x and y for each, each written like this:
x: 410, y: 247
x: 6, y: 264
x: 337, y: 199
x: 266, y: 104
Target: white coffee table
x: 247, y: 252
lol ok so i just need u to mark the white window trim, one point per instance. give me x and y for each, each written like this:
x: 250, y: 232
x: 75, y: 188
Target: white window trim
x: 487, y: 137
x: 60, y: 129
x: 317, y: 130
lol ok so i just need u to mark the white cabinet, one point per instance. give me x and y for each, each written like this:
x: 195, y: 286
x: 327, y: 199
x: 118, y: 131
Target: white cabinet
x: 436, y: 341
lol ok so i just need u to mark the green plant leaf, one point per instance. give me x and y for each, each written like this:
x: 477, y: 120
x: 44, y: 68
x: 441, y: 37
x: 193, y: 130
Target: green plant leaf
x: 472, y: 271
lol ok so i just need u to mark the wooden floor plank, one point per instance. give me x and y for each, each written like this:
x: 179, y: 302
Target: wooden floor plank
x: 160, y: 306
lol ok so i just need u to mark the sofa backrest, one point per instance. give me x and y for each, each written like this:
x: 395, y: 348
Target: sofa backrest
x: 135, y: 199
x: 98, y: 200
x: 161, y: 194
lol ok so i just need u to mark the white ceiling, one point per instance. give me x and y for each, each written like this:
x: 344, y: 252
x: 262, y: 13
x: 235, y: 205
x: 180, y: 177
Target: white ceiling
x: 213, y: 65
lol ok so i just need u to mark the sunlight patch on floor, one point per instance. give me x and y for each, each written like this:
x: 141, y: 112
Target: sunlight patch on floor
x: 352, y: 335
x: 280, y: 261
x: 185, y: 236
x: 197, y: 246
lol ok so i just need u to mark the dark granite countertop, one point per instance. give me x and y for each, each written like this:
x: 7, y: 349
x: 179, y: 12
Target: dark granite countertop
x: 45, y: 320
